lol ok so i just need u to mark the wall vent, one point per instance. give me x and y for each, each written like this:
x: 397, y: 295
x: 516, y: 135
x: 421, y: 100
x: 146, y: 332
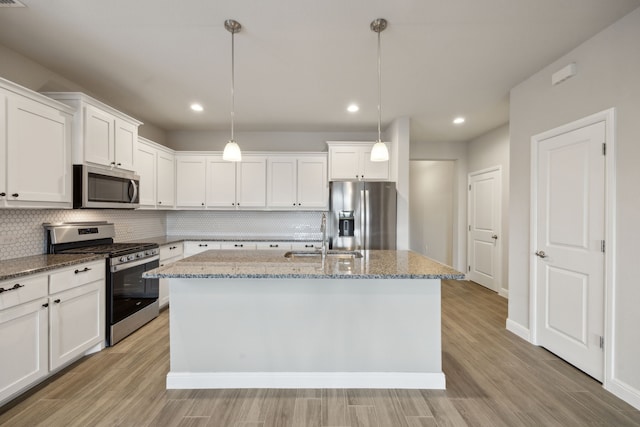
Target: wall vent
x: 11, y: 3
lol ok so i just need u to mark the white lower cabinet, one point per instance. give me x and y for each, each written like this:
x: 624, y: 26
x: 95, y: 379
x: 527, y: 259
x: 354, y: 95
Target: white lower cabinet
x: 168, y: 255
x: 76, y: 322
x: 24, y: 346
x: 48, y: 320
x: 192, y: 248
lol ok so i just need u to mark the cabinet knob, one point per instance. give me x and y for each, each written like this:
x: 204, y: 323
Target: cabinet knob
x: 3, y: 194
x: 119, y: 164
x: 239, y: 246
x: 202, y: 203
x: 15, y: 195
x: 299, y: 204
x: 294, y: 204
x: 203, y: 246
x: 45, y: 305
x: 112, y: 163
x: 57, y: 301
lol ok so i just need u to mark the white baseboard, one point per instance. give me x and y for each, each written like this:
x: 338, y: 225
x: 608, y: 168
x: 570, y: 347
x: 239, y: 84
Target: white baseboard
x: 504, y: 293
x: 624, y: 391
x: 219, y: 380
x: 519, y: 330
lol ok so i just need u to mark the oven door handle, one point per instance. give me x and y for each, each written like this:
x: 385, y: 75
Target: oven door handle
x: 120, y: 267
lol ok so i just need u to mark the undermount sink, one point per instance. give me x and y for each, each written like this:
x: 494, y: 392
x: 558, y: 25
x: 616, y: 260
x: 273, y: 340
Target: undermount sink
x: 330, y: 253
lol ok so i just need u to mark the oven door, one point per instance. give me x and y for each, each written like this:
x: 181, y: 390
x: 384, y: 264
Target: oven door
x: 129, y: 292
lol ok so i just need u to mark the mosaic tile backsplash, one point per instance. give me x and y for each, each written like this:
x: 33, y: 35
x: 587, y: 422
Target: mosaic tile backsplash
x: 22, y: 234
x: 299, y: 225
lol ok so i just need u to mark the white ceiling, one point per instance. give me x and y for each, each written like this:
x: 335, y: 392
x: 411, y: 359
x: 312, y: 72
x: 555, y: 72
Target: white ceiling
x: 299, y: 63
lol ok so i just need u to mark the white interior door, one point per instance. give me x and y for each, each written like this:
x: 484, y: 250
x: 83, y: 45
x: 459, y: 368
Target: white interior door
x: 569, y: 257
x: 485, y: 196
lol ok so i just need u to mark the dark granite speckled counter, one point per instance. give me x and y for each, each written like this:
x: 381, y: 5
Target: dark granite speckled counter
x: 375, y: 264
x: 18, y: 267
x: 166, y: 240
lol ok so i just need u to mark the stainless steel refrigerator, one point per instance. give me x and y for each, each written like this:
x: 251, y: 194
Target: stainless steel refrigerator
x: 362, y: 215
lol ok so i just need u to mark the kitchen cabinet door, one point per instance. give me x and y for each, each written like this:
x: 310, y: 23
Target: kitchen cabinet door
x: 221, y: 183
x: 191, y: 180
x: 146, y: 169
x: 373, y: 171
x: 166, y: 180
x: 345, y: 163
x: 38, y: 155
x: 3, y: 146
x: 125, y: 144
x: 99, y: 140
x: 168, y: 255
x: 251, y: 177
x: 351, y: 161
x: 313, y: 185
x: 282, y: 182
x: 24, y: 347
x: 76, y: 322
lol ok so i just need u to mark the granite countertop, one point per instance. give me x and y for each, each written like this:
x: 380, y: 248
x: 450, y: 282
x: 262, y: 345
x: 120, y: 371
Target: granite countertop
x: 18, y: 267
x: 269, y: 264
x: 166, y: 240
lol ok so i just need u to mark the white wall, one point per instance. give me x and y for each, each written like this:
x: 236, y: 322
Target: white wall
x: 486, y: 151
x: 608, y: 76
x: 431, y: 208
x: 25, y: 72
x: 399, y: 135
x: 457, y: 152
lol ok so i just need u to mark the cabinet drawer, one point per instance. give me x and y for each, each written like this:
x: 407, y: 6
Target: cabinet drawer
x: 170, y: 251
x: 275, y: 246
x: 238, y: 245
x: 297, y: 246
x: 22, y: 289
x: 77, y: 275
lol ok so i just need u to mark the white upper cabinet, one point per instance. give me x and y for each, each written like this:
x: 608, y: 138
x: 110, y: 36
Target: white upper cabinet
x: 190, y: 181
x: 297, y: 182
x: 251, y: 174
x: 155, y: 166
x: 220, y: 183
x: 101, y: 134
x: 146, y: 168
x: 350, y: 161
x: 35, y: 150
x: 166, y: 182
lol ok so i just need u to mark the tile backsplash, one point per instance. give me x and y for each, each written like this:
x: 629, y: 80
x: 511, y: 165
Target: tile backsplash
x: 298, y: 225
x: 22, y: 234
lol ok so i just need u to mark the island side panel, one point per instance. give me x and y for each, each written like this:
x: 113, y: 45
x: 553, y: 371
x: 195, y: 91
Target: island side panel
x: 314, y: 326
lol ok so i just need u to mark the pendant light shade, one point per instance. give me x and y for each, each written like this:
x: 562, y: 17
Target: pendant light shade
x: 232, y: 151
x: 379, y: 151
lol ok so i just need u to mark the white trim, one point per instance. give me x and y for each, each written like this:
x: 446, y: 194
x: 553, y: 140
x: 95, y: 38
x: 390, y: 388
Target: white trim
x: 609, y: 117
x: 498, y: 273
x: 624, y: 391
x: 385, y: 380
x: 504, y: 292
x: 519, y: 330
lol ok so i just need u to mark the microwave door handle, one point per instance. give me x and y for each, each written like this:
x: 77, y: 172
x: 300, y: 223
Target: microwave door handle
x: 135, y: 190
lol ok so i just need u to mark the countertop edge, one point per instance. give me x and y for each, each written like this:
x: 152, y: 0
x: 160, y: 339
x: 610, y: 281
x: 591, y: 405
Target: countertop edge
x: 66, y: 262
x: 305, y: 276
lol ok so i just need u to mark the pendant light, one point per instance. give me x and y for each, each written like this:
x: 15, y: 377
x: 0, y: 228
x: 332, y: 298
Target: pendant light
x: 379, y: 151
x: 232, y: 149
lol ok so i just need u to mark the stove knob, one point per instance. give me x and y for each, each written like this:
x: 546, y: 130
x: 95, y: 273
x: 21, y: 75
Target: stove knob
x: 130, y: 257
x: 123, y: 259
x: 139, y: 255
x: 148, y: 252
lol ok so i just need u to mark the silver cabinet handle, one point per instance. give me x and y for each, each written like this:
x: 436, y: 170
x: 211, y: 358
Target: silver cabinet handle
x: 541, y: 254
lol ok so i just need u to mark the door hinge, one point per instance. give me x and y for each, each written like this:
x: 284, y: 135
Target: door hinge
x: 601, y: 341
x: 469, y: 228
x: 604, y: 148
x: 602, y: 246
x: 469, y: 187
x: 469, y: 268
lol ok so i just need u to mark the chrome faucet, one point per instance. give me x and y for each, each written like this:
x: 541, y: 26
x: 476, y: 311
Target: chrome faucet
x: 323, y: 229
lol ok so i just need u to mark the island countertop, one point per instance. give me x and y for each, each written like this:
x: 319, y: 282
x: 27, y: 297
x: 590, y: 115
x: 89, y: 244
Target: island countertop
x: 269, y: 264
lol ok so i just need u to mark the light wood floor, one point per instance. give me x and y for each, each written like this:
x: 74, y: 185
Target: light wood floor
x: 493, y: 379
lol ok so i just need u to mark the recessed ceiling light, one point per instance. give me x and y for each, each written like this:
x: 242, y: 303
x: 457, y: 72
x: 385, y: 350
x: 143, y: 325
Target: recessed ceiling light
x: 353, y: 108
x: 197, y: 107
x: 458, y: 120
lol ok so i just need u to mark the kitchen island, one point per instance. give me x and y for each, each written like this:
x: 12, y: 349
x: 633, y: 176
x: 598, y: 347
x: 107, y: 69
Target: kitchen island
x: 254, y: 319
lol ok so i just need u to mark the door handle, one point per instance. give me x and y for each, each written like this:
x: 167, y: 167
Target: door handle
x: 494, y: 237
x: 541, y: 254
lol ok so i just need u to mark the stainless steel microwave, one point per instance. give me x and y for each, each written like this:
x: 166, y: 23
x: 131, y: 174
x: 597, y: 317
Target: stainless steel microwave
x: 97, y: 188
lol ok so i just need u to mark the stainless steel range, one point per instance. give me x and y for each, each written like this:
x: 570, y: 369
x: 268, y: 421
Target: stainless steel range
x: 131, y: 301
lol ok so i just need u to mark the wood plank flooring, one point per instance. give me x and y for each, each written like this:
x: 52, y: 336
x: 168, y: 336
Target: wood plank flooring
x: 493, y: 379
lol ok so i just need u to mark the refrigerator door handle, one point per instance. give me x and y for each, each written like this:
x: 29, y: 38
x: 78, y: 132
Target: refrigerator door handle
x: 363, y: 218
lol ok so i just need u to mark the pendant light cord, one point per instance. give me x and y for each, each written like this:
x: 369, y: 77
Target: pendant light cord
x: 379, y: 89
x: 232, y: 82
